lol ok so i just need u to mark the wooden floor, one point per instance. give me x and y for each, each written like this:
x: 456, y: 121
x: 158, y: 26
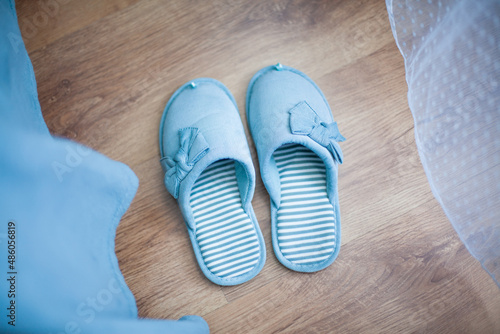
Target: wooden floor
x: 105, y: 71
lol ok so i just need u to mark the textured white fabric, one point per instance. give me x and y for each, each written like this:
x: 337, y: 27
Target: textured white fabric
x: 452, y: 59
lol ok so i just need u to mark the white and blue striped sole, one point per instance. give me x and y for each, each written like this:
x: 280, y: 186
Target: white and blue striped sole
x: 225, y: 234
x: 306, y: 225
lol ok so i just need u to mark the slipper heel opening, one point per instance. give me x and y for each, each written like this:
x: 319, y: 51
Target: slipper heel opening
x: 306, y: 222
x: 225, y: 234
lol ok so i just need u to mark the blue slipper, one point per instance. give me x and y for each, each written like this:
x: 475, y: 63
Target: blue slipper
x: 297, y: 144
x: 208, y: 169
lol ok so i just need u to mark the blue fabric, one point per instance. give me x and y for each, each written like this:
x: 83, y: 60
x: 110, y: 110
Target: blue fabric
x: 60, y: 204
x: 17, y: 80
x: 206, y: 105
x: 273, y: 93
x: 451, y: 50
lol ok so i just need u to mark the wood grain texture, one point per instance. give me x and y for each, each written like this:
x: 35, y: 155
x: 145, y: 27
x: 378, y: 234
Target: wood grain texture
x: 105, y: 71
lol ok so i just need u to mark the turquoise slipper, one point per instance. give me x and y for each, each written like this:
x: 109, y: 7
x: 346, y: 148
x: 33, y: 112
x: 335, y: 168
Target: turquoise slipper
x: 208, y: 169
x: 297, y: 144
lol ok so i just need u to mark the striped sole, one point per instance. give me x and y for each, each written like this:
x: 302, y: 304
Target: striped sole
x: 225, y: 234
x: 306, y: 218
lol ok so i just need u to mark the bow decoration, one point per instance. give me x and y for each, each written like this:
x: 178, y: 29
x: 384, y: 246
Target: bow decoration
x: 305, y: 121
x: 193, y: 147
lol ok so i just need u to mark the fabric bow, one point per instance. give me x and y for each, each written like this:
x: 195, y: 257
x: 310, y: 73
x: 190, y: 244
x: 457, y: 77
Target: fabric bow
x: 305, y: 121
x: 193, y: 147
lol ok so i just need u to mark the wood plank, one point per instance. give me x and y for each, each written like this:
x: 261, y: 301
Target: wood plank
x: 45, y: 21
x: 144, y: 79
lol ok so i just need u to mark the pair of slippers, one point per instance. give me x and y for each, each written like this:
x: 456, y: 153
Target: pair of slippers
x: 208, y: 169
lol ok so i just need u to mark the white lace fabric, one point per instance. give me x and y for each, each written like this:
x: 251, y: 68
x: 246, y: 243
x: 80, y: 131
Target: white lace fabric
x: 451, y: 50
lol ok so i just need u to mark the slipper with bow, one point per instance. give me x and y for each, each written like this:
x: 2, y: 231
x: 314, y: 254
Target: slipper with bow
x: 297, y: 145
x: 208, y: 169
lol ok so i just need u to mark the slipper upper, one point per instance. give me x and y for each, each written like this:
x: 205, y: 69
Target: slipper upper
x: 285, y: 106
x: 202, y: 125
